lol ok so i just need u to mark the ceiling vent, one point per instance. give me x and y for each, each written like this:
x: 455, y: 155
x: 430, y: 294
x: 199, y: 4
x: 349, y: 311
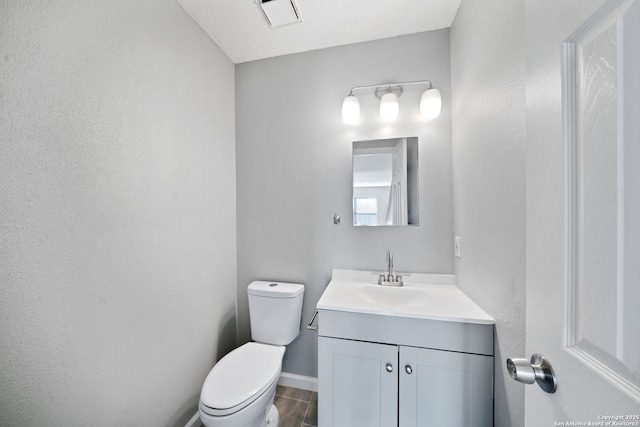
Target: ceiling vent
x: 280, y: 12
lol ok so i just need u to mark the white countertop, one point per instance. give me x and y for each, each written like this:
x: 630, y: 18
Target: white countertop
x: 423, y: 296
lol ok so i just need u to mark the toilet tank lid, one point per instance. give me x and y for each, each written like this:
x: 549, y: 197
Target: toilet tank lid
x: 275, y: 289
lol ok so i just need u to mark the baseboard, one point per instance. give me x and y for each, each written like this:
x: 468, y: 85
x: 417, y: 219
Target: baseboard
x: 194, y: 421
x: 298, y: 381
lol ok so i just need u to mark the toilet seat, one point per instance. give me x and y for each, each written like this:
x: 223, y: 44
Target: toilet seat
x: 241, y: 377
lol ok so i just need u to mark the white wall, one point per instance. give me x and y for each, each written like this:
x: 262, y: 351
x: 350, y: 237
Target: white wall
x: 294, y: 170
x: 489, y: 141
x: 117, y: 212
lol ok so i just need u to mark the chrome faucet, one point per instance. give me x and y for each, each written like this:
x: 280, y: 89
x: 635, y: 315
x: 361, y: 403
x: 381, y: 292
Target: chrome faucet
x: 390, y: 279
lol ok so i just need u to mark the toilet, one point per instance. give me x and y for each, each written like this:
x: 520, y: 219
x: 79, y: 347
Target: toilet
x: 239, y: 390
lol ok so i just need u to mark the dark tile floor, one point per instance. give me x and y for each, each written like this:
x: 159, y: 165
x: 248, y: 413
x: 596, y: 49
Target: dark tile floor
x: 297, y: 407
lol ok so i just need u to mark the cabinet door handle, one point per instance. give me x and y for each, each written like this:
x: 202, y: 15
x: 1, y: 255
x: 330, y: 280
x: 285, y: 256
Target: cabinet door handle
x: 408, y: 369
x: 389, y: 367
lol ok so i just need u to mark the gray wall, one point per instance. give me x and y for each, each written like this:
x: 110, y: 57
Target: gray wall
x: 294, y: 170
x: 489, y: 141
x: 117, y: 212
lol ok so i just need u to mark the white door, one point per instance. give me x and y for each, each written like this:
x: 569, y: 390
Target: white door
x: 583, y: 209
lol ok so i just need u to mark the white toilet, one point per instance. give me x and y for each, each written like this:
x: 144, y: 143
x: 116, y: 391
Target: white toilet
x: 239, y: 390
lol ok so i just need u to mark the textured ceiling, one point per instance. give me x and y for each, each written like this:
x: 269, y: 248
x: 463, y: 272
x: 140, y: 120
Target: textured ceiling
x: 242, y: 32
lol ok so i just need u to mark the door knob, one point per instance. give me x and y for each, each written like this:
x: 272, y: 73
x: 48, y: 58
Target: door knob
x: 537, y: 370
x: 389, y: 367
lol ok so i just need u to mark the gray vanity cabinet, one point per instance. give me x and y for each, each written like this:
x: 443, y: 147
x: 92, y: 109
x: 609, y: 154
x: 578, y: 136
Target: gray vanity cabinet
x: 355, y: 388
x: 443, y: 388
x: 399, y: 380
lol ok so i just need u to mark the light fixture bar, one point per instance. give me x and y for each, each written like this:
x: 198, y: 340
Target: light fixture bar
x: 388, y: 93
x: 391, y: 85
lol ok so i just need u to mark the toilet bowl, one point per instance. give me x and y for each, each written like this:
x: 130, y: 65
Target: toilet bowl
x: 239, y: 390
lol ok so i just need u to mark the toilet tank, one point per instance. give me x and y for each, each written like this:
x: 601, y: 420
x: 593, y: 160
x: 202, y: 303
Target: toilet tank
x: 275, y: 310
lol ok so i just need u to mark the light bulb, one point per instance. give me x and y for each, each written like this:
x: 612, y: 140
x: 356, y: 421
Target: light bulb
x: 389, y: 107
x: 351, y: 110
x: 430, y: 104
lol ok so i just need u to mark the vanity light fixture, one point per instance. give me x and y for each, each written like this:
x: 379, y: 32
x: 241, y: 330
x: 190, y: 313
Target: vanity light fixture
x: 389, y: 107
x: 351, y: 110
x: 430, y: 102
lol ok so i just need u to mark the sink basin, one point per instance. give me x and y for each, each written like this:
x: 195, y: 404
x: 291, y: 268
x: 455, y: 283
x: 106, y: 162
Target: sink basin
x: 423, y: 296
x: 393, y: 296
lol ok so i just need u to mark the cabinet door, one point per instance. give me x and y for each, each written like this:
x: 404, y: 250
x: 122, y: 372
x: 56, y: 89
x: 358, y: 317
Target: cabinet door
x: 357, y: 384
x: 445, y: 388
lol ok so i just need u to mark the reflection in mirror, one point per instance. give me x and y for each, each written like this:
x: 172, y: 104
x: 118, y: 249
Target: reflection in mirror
x: 385, y: 182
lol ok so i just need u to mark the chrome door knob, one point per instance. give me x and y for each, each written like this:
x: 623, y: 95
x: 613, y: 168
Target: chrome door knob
x: 521, y: 370
x: 389, y: 367
x: 537, y: 370
x: 408, y: 369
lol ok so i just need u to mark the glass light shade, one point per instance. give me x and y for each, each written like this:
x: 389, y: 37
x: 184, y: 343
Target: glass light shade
x: 430, y: 104
x: 389, y: 107
x: 350, y: 110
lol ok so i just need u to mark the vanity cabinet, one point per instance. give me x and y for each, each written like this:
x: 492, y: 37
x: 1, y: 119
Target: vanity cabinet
x: 370, y: 384
x: 356, y: 388
x: 442, y: 388
x: 415, y: 356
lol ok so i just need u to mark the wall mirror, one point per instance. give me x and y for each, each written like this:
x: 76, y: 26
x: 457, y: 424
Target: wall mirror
x: 385, y: 182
